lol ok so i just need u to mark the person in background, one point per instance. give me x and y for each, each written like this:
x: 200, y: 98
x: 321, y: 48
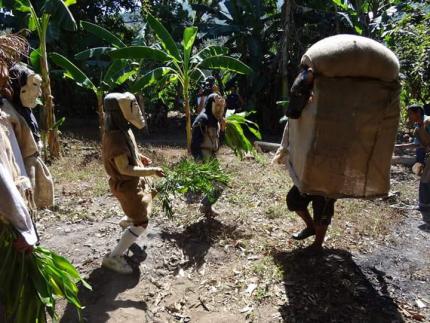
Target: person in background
x: 421, y: 167
x: 234, y: 101
x: 205, y: 140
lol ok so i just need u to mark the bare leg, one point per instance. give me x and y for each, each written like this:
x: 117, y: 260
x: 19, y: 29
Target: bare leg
x: 307, y: 218
x: 320, y: 231
x: 309, y: 230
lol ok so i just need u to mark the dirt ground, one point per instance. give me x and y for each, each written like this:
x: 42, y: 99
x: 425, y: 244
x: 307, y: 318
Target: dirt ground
x: 241, y: 266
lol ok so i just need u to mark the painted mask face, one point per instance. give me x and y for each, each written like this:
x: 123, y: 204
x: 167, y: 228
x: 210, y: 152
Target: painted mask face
x: 31, y: 91
x: 218, y: 107
x: 131, y: 110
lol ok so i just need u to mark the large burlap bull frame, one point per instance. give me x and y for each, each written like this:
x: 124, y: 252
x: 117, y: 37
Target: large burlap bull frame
x: 342, y: 144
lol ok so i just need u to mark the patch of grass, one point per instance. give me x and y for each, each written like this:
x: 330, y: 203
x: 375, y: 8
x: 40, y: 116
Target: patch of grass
x: 278, y: 210
x: 261, y: 159
x: 88, y: 179
x: 267, y: 270
x: 261, y: 292
x: 372, y: 218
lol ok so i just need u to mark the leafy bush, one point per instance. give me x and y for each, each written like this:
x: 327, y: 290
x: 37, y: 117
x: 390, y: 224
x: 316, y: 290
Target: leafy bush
x: 188, y: 176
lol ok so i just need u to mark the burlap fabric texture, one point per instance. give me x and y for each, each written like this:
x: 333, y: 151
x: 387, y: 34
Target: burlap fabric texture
x: 39, y: 174
x: 342, y: 144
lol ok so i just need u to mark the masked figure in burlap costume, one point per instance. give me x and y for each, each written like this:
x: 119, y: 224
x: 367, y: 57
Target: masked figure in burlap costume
x: 15, y: 195
x: 128, y: 173
x: 205, y: 141
x: 26, y: 86
x: 25, y: 95
x: 323, y: 207
x: 343, y: 116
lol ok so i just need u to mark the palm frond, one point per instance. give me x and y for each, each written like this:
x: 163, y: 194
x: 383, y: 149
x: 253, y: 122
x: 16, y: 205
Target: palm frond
x: 235, y: 132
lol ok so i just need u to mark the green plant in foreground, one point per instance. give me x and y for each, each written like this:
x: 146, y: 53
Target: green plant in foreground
x: 31, y: 283
x: 189, y: 176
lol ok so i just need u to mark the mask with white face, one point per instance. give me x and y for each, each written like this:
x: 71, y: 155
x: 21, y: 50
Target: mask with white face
x: 131, y: 110
x: 31, y: 91
x: 218, y: 106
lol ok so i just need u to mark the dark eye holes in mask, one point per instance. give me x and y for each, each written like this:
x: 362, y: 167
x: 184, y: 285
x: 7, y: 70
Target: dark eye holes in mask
x: 131, y: 106
x: 25, y: 91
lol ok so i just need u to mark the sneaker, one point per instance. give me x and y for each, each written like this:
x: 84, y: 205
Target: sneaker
x: 305, y: 233
x: 125, y: 222
x: 117, y: 263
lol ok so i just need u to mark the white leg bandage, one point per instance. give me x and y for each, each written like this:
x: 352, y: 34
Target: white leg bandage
x: 129, y: 236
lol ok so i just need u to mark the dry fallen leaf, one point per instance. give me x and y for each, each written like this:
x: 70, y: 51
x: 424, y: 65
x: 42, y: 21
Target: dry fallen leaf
x: 246, y: 309
x: 420, y: 303
x: 250, y: 288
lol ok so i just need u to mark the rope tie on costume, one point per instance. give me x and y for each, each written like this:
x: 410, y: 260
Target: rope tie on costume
x: 136, y: 235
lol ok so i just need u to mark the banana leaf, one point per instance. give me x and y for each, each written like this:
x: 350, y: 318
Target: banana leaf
x: 30, y: 283
x: 236, y: 126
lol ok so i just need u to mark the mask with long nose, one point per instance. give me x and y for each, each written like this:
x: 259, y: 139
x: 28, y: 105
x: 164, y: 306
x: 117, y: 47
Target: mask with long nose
x: 122, y: 109
x: 131, y: 110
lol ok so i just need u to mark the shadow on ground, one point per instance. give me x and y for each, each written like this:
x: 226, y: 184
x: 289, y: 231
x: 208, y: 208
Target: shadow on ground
x: 197, y: 238
x: 330, y: 287
x: 102, y: 300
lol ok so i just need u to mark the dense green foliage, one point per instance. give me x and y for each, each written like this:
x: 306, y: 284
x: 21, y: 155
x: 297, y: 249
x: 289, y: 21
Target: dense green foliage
x: 179, y: 64
x: 268, y: 35
x: 189, y: 177
x: 407, y: 33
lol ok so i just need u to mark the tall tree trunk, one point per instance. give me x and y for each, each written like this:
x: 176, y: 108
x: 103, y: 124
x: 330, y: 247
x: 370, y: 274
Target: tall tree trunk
x: 187, y: 115
x: 101, y: 113
x: 48, y: 115
x: 336, y: 19
x: 287, y: 12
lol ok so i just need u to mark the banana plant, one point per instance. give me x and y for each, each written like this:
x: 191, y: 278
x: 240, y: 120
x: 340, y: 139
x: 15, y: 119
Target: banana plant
x: 118, y: 72
x: 178, y: 63
x: 39, y: 17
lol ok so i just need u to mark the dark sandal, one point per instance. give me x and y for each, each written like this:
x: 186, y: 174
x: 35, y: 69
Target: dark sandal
x: 305, y: 233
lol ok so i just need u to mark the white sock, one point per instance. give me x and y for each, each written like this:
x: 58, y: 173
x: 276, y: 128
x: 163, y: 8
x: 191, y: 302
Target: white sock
x: 128, y: 238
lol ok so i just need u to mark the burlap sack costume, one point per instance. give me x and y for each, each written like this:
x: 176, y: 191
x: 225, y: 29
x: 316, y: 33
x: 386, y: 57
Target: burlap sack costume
x: 13, y: 189
x: 132, y: 192
x: 40, y: 177
x: 342, y: 144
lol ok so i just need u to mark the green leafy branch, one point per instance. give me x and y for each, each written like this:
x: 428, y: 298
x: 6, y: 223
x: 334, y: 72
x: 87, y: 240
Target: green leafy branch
x: 188, y: 176
x: 237, y: 124
x: 31, y: 283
